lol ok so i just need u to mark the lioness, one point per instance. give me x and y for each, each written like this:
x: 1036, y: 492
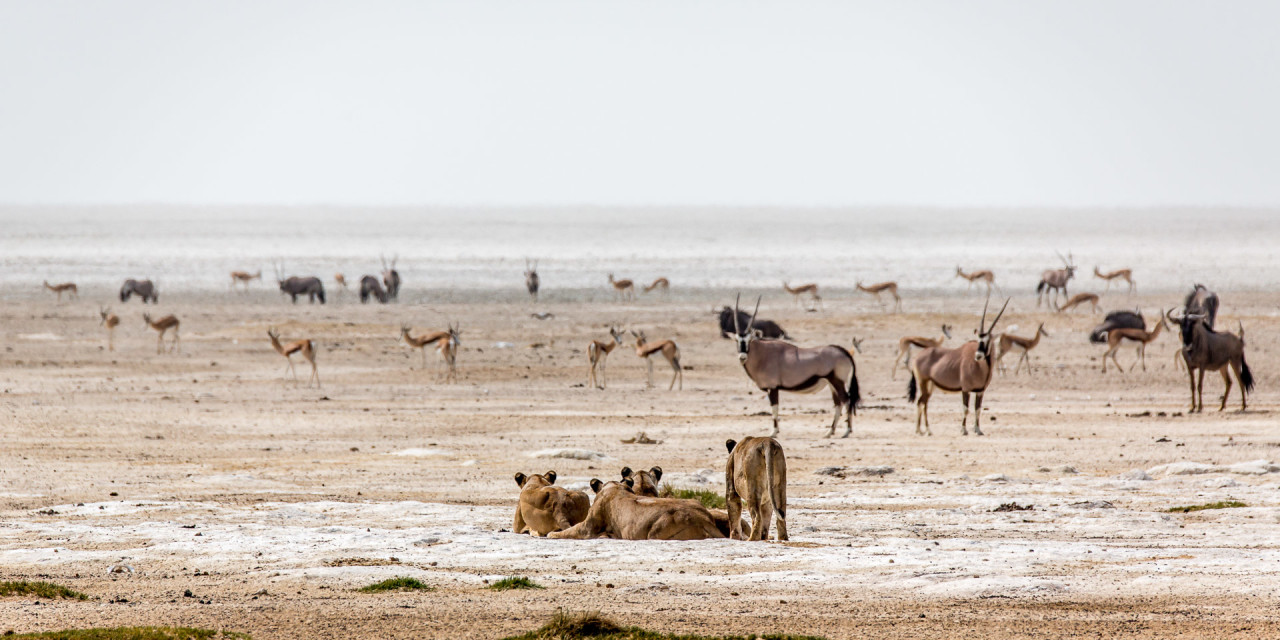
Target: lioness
x: 757, y: 473
x: 645, y: 483
x: 619, y: 513
x: 544, y: 508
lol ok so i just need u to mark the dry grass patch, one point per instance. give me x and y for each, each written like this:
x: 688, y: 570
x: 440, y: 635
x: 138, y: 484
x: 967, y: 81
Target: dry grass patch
x: 135, y: 633
x: 709, y: 498
x: 514, y: 582
x: 46, y: 590
x: 397, y: 584
x: 566, y: 626
x: 1221, y: 504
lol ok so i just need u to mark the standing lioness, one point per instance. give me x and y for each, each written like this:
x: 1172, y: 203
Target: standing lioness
x: 544, y: 508
x: 619, y: 513
x: 757, y: 473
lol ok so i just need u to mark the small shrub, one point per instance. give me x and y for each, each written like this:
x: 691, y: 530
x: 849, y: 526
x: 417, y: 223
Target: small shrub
x: 708, y: 497
x: 1221, y: 504
x: 566, y: 626
x: 397, y: 584
x: 514, y: 582
x: 46, y: 590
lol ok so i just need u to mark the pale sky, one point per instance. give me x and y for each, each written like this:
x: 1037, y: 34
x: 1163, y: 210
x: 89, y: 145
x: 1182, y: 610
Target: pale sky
x: 788, y: 103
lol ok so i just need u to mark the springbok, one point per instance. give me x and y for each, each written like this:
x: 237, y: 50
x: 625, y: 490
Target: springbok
x: 1009, y: 342
x: 531, y: 281
x: 1116, y: 338
x: 391, y: 277
x: 878, y: 288
x: 1208, y: 350
x: 341, y: 281
x: 110, y: 321
x: 143, y: 288
x: 856, y: 343
x: 623, y: 290
x: 1079, y: 299
x: 984, y: 275
x: 446, y: 342
x: 1118, y: 274
x: 162, y: 325
x: 287, y: 350
x: 921, y: 342
x: 774, y: 365
x: 597, y: 352
x: 965, y: 369
x: 810, y: 290
x: 244, y: 277
x: 70, y: 287
x: 294, y: 286
x: 670, y: 352
x: 662, y: 284
x: 370, y: 287
x: 1055, y: 280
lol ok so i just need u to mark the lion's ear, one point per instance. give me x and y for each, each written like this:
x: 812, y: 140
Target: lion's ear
x: 520, y: 478
x: 596, y: 484
x: 730, y: 443
x: 631, y: 483
x: 626, y: 472
x: 657, y: 473
x: 550, y: 476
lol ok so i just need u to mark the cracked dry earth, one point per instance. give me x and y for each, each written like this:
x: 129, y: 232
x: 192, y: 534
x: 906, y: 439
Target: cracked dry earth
x: 270, y: 504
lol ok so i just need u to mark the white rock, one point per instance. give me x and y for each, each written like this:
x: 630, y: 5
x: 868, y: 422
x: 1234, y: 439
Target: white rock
x: 1134, y: 474
x: 1182, y: 469
x: 1254, y: 467
x: 568, y: 454
x: 995, y: 477
x: 421, y: 453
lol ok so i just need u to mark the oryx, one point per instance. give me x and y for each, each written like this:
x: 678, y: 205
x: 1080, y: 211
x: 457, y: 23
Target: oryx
x: 965, y: 369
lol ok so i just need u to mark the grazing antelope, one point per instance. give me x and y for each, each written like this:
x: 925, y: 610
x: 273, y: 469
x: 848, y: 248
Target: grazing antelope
x: 531, y: 281
x: 1120, y: 274
x: 669, y: 351
x: 597, y: 352
x: 1116, y: 337
x: 446, y: 342
x: 1207, y: 350
x: 294, y: 286
x: 391, y: 278
x: 984, y: 275
x: 287, y: 350
x: 1079, y: 299
x: 1055, y: 279
x: 730, y: 318
x: 1009, y: 342
x: 891, y: 287
x: 660, y: 283
x: 965, y: 369
x: 810, y: 290
x: 774, y: 365
x: 370, y: 287
x: 144, y: 288
x: 162, y: 325
x: 69, y: 287
x: 243, y: 277
x: 341, y: 280
x: 622, y: 289
x: 110, y: 321
x: 921, y: 342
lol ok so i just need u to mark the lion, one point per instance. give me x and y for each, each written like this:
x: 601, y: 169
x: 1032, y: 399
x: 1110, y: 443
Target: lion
x: 645, y: 483
x: 619, y: 513
x: 544, y: 508
x: 757, y: 474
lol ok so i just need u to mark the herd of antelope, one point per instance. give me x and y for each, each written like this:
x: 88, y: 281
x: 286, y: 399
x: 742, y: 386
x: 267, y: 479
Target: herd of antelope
x: 773, y: 364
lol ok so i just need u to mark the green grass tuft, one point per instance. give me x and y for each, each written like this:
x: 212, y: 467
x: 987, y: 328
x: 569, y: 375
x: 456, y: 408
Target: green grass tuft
x: 515, y: 582
x: 1221, y: 504
x: 46, y: 590
x: 135, y: 633
x: 708, y: 497
x: 566, y: 626
x: 397, y: 584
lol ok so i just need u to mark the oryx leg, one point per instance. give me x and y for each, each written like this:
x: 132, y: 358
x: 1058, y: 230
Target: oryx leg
x: 839, y: 398
x: 773, y: 404
x: 1226, y: 391
x: 964, y: 428
x: 922, y: 406
x: 977, y: 413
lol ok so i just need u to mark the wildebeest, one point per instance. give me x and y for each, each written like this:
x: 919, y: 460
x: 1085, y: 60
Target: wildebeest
x: 391, y: 278
x: 1117, y: 320
x: 531, y: 281
x: 309, y: 286
x: 767, y: 328
x: 143, y: 288
x: 370, y: 287
x: 1202, y: 301
x: 1207, y: 350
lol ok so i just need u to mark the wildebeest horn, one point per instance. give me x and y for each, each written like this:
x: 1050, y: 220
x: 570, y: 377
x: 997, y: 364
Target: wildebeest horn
x: 993, y: 322
x: 737, y: 327
x: 751, y: 325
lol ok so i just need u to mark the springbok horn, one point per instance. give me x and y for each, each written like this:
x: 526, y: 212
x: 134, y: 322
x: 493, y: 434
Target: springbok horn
x: 737, y: 328
x: 993, y: 322
x: 751, y: 325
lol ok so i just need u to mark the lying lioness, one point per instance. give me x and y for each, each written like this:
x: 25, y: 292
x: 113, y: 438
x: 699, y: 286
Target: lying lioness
x: 619, y: 513
x: 645, y: 483
x: 544, y: 508
x: 757, y: 474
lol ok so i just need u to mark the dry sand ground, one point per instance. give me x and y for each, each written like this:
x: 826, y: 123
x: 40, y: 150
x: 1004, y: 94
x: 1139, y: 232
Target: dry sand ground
x: 202, y: 471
